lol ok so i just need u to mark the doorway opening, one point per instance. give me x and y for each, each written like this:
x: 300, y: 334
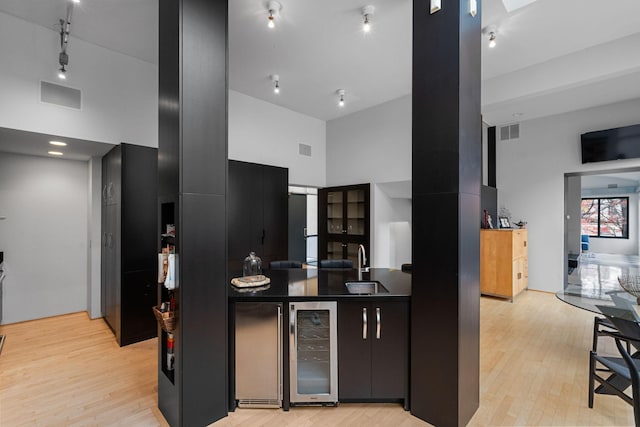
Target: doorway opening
x: 303, y: 224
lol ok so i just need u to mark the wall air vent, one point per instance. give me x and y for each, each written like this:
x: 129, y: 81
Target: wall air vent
x: 304, y: 150
x: 52, y: 93
x: 612, y: 185
x: 510, y: 132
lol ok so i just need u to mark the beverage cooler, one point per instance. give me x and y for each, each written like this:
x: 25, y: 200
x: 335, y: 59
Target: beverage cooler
x: 313, y: 354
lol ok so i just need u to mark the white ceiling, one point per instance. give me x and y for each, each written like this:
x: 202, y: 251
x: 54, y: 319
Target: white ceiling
x: 37, y: 144
x: 551, y: 57
x: 624, y: 179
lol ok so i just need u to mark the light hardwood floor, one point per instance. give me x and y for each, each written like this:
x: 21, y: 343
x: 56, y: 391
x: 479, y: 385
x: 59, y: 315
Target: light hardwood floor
x: 69, y: 371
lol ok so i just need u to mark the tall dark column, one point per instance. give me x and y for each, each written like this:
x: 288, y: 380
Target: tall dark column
x: 447, y: 152
x: 192, y: 158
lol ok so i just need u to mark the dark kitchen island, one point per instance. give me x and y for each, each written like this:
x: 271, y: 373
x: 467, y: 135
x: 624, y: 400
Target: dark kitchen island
x: 373, y: 330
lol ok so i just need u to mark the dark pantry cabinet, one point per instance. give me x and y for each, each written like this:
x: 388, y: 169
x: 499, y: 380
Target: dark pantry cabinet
x: 257, y: 213
x: 343, y: 222
x: 129, y: 217
x: 373, y: 350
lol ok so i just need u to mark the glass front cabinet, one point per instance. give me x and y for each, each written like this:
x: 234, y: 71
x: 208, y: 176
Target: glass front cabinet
x: 343, y: 222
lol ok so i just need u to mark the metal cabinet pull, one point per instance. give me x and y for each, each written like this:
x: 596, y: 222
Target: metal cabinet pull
x: 364, y: 323
x: 292, y: 319
x: 378, y: 322
x: 279, y: 352
x: 293, y: 336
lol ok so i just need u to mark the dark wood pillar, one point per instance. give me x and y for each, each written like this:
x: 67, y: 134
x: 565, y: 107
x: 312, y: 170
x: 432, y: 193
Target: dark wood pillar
x: 192, y: 158
x: 447, y: 153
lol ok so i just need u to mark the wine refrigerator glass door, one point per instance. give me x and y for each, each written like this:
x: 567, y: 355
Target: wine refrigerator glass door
x: 313, y: 352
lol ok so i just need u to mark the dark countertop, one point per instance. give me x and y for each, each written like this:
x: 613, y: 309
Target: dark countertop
x: 322, y: 284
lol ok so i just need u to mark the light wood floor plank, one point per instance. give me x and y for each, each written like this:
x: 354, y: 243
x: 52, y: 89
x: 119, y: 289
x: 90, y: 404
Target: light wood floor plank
x: 534, y: 358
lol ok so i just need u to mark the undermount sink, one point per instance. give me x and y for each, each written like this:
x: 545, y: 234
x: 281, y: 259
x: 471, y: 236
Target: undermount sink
x: 366, y: 288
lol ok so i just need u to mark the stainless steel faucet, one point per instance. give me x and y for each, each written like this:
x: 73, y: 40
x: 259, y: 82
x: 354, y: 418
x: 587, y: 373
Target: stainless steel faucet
x: 364, y: 261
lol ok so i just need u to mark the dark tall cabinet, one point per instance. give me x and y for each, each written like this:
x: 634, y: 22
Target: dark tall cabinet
x: 258, y: 213
x: 343, y: 222
x: 129, y: 191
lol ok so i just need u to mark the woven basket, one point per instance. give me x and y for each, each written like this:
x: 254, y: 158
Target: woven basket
x: 631, y: 284
x: 167, y: 319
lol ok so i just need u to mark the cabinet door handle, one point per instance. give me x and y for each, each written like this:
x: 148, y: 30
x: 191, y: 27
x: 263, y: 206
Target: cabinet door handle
x: 104, y: 239
x: 378, y: 322
x: 263, y: 235
x: 293, y: 336
x: 364, y: 323
x: 279, y: 352
x: 104, y: 192
x: 292, y: 319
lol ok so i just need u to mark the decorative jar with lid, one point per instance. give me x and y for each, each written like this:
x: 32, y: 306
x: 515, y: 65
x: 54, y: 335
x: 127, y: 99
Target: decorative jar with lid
x: 252, y: 265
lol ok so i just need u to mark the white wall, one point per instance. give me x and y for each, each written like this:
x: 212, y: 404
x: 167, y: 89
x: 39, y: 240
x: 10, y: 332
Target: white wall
x: 94, y: 227
x: 391, y: 220
x: 119, y: 93
x: 374, y: 146
x: 265, y: 133
x: 44, y: 237
x: 530, y: 179
x: 572, y: 211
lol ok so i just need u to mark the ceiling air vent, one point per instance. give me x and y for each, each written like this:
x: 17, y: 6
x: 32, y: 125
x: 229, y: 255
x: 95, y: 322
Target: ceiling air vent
x: 510, y: 132
x: 52, y: 93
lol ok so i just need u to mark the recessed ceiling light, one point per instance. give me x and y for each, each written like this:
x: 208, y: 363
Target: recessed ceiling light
x: 55, y: 153
x: 58, y: 143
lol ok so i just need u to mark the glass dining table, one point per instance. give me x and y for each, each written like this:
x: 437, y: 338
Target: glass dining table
x: 610, y: 301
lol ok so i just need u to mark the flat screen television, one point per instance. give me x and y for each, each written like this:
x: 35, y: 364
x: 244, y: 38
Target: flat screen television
x: 611, y: 144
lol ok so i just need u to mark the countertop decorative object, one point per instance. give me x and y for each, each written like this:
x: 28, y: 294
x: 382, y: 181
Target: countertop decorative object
x: 631, y: 284
x: 250, y: 281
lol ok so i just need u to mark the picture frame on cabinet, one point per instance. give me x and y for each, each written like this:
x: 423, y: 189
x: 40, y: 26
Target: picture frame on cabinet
x: 504, y: 222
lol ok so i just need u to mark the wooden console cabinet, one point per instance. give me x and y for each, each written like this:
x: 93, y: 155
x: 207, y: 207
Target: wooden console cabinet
x: 503, y: 262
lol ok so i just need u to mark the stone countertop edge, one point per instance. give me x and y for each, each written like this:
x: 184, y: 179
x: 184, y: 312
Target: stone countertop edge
x: 323, y: 284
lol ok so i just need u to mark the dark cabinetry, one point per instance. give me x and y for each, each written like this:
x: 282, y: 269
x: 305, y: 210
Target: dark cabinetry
x: 372, y: 350
x: 129, y: 185
x: 343, y: 222
x: 257, y: 213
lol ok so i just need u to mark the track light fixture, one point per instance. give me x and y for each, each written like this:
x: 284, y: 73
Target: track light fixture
x: 473, y: 7
x: 62, y: 73
x: 276, y: 83
x: 491, y: 32
x: 340, y: 93
x: 274, y: 10
x: 367, y: 13
x: 65, y: 28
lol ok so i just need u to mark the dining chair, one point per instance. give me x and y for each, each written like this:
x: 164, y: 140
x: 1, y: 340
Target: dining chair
x: 335, y: 263
x: 620, y: 372
x: 634, y: 375
x: 284, y: 264
x: 584, y: 243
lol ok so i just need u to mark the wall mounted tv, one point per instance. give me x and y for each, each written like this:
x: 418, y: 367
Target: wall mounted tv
x: 611, y: 144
